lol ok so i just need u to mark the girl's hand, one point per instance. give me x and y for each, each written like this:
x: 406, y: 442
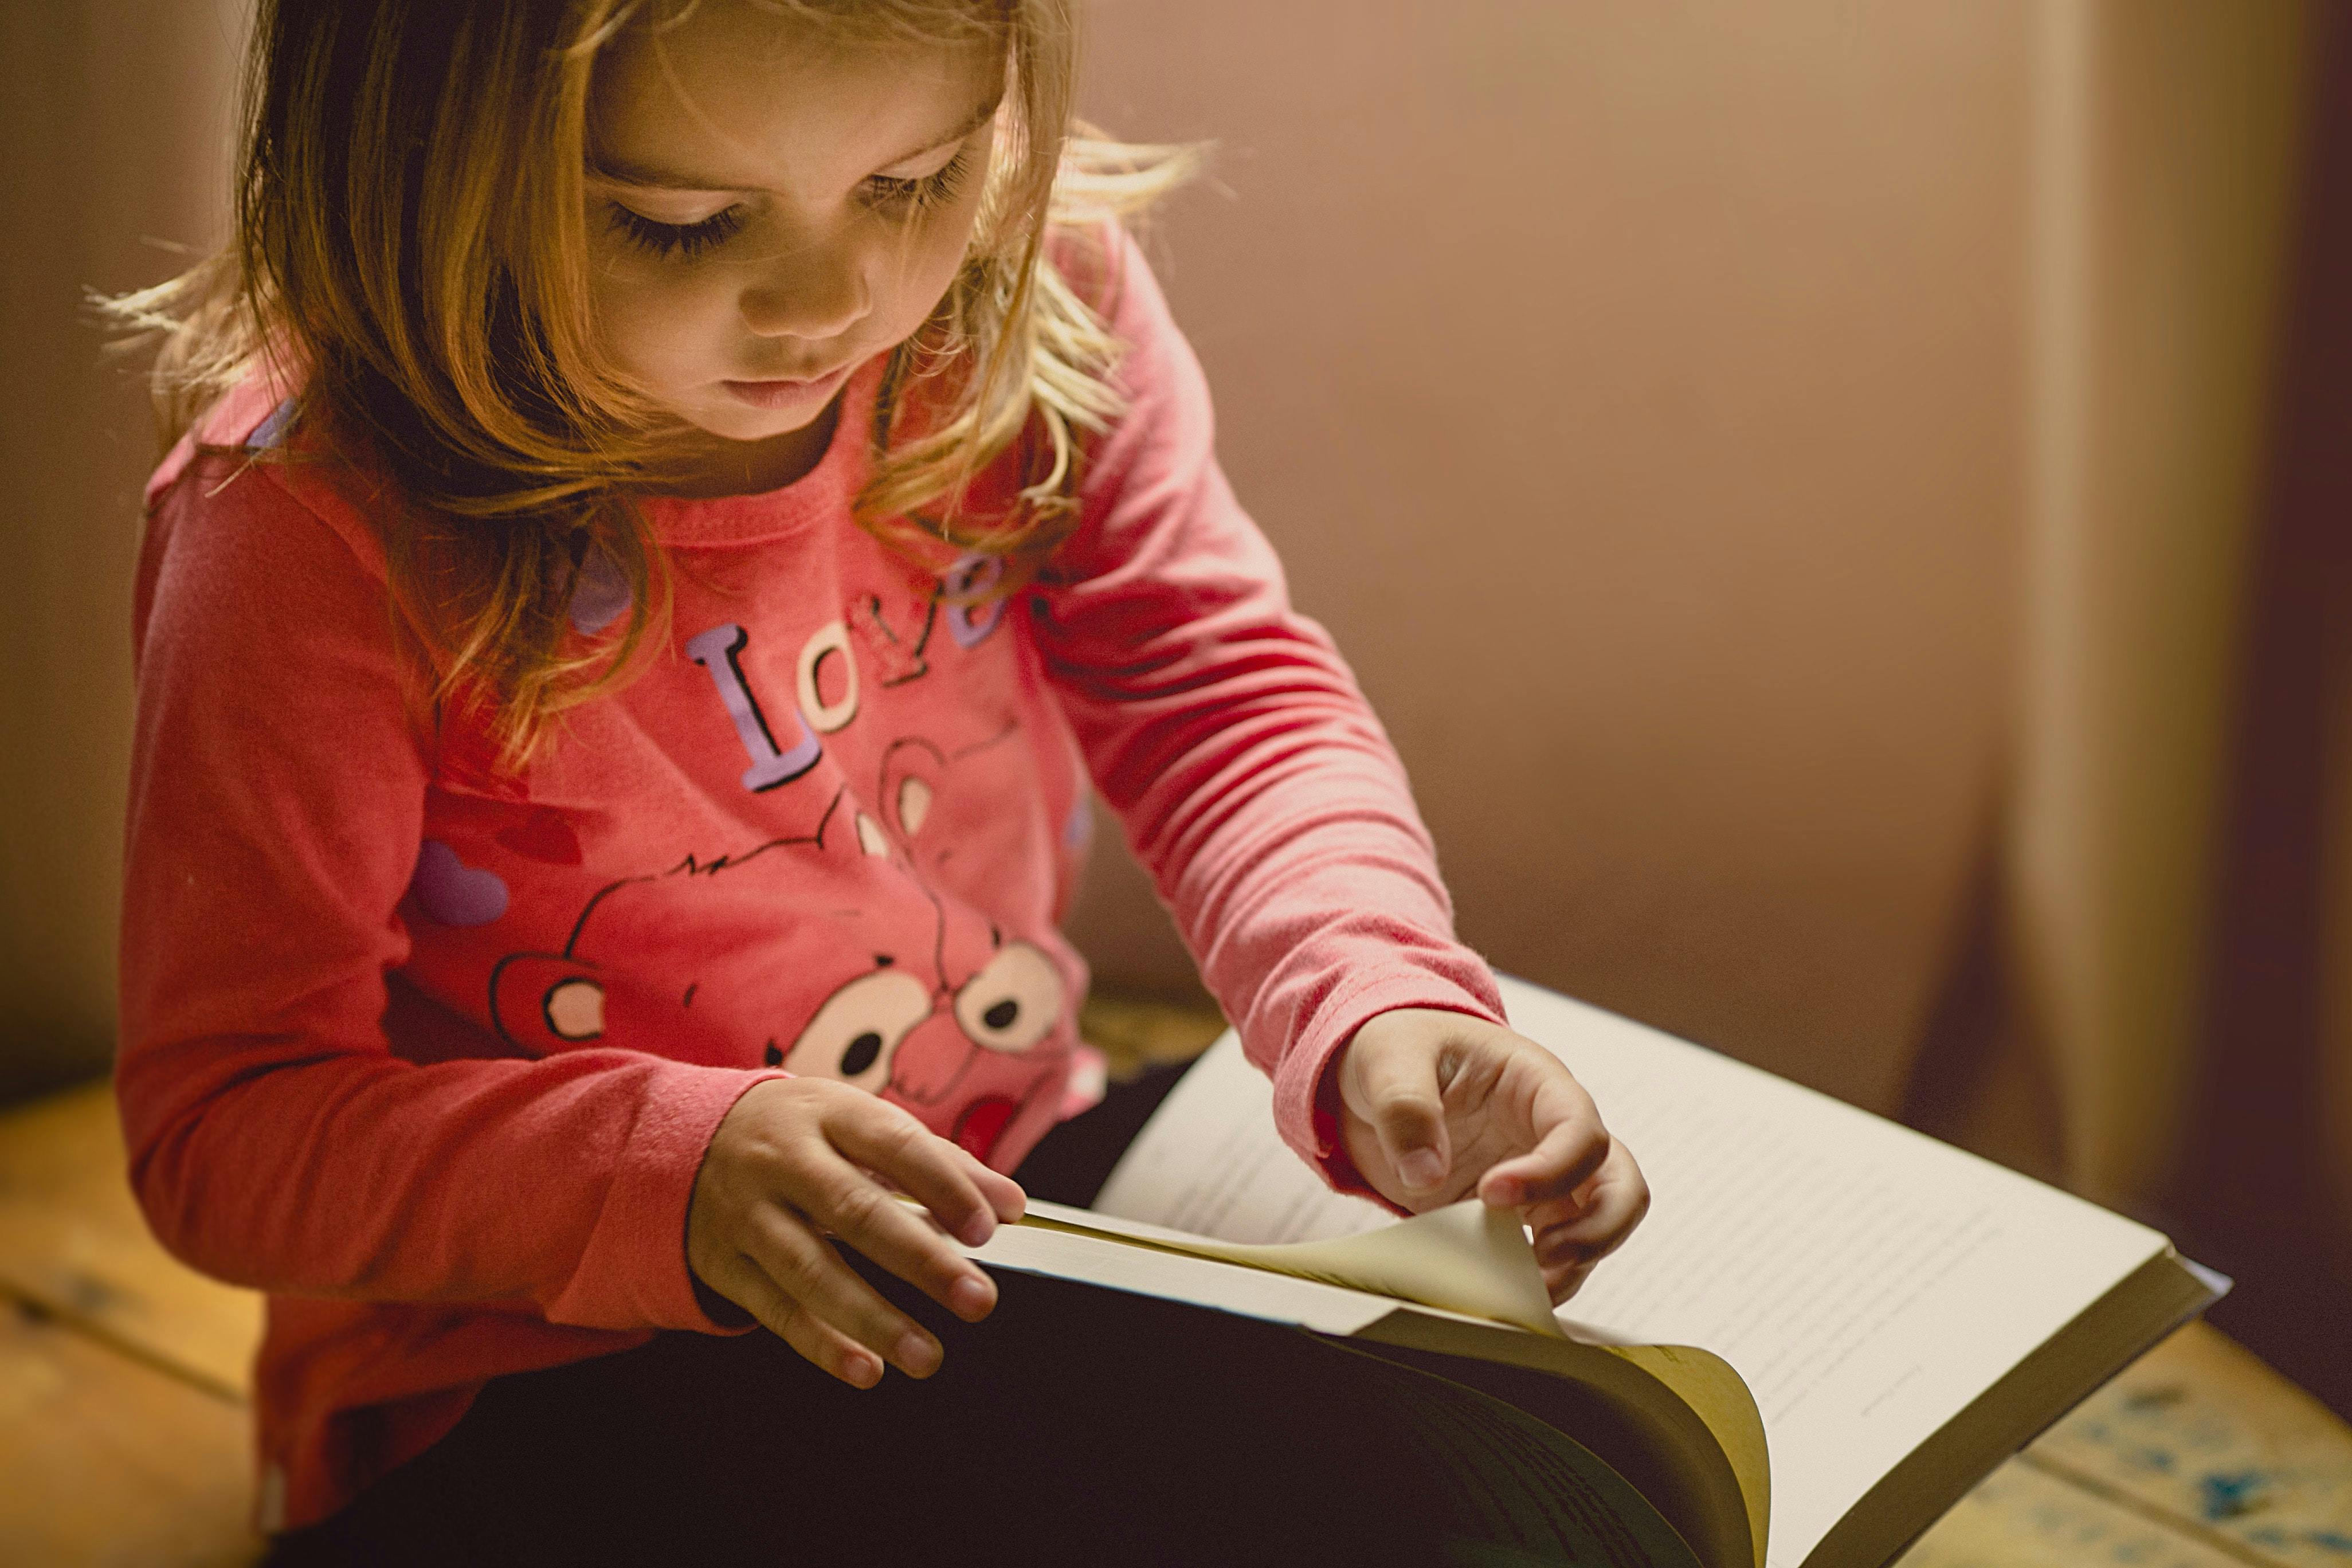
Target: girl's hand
x: 1433, y: 1105
x: 797, y: 1159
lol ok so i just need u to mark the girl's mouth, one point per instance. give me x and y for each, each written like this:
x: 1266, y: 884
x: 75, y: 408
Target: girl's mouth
x: 785, y: 394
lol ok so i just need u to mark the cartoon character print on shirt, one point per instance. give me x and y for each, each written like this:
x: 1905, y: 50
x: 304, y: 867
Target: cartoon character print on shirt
x: 902, y: 653
x: 933, y: 1006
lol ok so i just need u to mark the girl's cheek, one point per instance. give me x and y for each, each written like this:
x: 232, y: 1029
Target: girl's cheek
x: 924, y: 279
x: 661, y: 327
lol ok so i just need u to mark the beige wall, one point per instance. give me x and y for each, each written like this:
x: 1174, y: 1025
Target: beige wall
x: 1635, y: 391
x: 113, y: 113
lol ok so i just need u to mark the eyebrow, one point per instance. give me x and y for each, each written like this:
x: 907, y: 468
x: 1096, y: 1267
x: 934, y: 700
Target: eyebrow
x: 651, y: 177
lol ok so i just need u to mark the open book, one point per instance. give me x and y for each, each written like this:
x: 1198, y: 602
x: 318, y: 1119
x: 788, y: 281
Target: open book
x: 1827, y: 1329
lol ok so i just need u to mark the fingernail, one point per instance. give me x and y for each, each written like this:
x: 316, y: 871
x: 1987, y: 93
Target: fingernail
x: 1422, y: 1169
x: 968, y: 1298
x: 916, y: 1355
x: 864, y: 1371
x: 977, y: 1230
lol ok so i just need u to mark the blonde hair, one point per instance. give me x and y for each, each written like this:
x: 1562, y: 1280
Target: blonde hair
x: 427, y: 291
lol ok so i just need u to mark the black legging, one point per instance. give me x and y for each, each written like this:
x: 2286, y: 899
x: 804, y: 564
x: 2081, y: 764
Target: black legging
x: 1073, y: 1425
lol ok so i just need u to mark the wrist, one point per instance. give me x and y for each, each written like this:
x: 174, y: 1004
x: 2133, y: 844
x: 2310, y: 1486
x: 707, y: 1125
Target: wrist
x: 718, y: 1307
x: 1340, y: 1169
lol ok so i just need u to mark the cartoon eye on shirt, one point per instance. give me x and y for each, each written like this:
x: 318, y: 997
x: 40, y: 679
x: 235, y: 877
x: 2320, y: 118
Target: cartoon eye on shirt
x: 980, y: 1053
x: 1012, y: 1003
x: 574, y: 1009
x: 859, y: 1030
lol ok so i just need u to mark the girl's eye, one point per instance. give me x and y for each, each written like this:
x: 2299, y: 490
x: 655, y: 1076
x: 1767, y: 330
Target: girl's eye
x: 689, y: 240
x: 900, y: 198
x: 908, y: 197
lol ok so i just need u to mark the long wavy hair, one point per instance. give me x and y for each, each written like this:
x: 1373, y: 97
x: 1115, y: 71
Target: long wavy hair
x: 399, y: 259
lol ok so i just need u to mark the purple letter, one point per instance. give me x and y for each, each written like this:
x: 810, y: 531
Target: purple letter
x: 715, y: 650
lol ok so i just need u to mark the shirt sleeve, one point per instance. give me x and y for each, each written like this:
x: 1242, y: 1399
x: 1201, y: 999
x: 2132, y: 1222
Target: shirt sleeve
x: 275, y: 1139
x: 1222, y: 728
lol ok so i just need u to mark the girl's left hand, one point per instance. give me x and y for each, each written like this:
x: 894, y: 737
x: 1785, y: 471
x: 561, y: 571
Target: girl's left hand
x: 1433, y: 1105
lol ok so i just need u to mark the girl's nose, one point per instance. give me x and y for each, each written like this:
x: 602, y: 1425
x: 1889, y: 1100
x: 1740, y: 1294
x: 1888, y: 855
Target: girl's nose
x: 818, y: 291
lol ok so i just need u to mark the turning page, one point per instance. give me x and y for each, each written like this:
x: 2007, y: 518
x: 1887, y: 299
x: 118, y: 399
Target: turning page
x: 1465, y: 1258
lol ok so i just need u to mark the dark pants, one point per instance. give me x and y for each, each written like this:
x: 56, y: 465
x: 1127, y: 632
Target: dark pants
x: 1073, y: 1425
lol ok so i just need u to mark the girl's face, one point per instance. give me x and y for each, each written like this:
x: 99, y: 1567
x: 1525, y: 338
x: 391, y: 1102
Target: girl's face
x: 767, y: 211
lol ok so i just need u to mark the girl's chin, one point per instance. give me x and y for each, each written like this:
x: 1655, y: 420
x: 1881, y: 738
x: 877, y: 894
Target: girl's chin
x: 735, y: 422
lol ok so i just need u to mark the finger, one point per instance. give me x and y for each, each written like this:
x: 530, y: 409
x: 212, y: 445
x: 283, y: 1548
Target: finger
x: 1553, y: 1213
x: 1571, y: 1147
x: 1619, y: 1201
x: 857, y: 1209
x: 890, y: 1143
x: 810, y: 1273
x: 1596, y: 1235
x: 1003, y: 1194
x: 743, y: 1281
x: 1565, y: 1280
x: 1397, y: 1093
x: 1006, y: 1197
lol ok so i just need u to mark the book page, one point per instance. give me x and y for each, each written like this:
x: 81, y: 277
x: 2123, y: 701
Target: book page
x: 1067, y: 1253
x: 1465, y: 1257
x: 1865, y: 1281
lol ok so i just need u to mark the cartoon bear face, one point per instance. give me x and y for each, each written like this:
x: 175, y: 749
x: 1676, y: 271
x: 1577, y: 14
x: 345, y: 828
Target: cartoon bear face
x: 939, y: 1011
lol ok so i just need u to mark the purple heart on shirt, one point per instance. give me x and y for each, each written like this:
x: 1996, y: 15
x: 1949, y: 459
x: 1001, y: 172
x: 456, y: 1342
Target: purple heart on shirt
x: 601, y: 596
x: 971, y: 620
x: 452, y: 892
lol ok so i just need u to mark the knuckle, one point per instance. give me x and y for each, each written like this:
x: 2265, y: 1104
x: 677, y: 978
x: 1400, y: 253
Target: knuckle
x: 790, y: 1321
x: 857, y: 1207
x: 879, y: 1329
x: 802, y: 1273
x: 1404, y: 1103
x: 903, y: 1136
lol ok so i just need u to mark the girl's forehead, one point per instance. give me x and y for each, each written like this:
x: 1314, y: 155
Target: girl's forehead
x: 737, y: 97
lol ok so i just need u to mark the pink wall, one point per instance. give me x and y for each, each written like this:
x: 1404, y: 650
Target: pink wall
x: 1634, y: 392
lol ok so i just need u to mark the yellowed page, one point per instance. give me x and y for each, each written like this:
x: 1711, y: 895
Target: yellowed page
x: 1465, y: 1257
x: 1101, y: 1259
x: 1711, y: 1388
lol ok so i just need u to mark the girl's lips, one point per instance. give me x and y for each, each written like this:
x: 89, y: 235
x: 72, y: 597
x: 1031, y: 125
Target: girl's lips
x: 784, y: 394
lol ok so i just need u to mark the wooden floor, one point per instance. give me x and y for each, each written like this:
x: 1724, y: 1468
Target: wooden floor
x: 123, y: 1427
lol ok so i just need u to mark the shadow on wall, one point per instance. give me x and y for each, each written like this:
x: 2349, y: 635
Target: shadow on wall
x: 2263, y: 1185
x: 115, y: 113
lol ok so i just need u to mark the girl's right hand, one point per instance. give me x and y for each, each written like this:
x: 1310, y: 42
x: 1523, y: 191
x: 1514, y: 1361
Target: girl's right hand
x: 797, y: 1160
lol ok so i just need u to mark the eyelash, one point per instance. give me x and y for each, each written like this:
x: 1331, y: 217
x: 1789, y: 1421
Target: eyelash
x: 906, y: 197
x: 930, y: 191
x: 667, y: 239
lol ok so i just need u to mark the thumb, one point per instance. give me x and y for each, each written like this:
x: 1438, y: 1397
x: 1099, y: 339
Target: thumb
x: 1396, y: 1092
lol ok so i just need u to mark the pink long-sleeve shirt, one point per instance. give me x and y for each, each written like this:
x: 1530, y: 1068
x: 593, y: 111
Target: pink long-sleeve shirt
x: 431, y: 1052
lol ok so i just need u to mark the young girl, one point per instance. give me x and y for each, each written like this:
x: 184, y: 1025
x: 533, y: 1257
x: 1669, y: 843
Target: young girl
x: 674, y: 500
